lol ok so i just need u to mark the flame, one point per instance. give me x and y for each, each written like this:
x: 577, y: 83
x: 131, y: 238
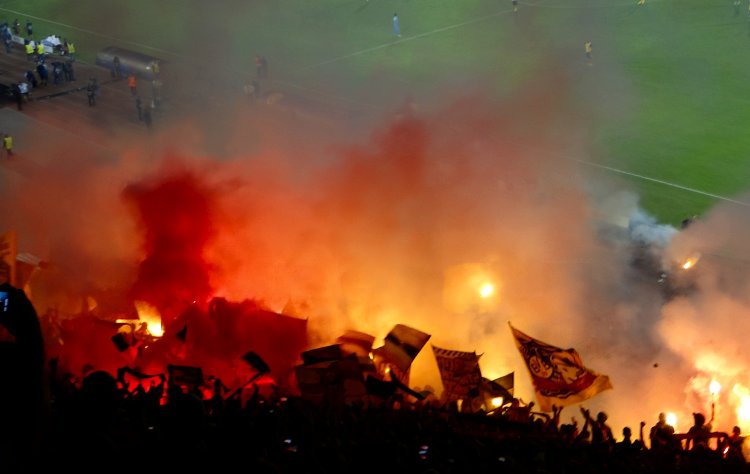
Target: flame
x: 486, y: 290
x: 691, y: 261
x: 497, y: 401
x: 150, y: 315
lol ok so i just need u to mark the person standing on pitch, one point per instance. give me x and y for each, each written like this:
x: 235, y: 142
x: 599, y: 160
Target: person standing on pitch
x: 8, y: 145
x: 396, y: 27
x: 133, y: 84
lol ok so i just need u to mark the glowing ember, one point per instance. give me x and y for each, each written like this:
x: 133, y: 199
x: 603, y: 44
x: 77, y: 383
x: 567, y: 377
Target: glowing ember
x: 497, y: 401
x: 486, y: 290
x: 150, y: 315
x: 691, y: 261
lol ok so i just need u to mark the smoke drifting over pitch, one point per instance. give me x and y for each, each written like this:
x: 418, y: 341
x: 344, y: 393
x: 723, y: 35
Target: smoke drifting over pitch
x: 365, y: 233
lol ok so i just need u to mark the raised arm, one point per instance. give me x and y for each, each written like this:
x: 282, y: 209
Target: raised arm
x: 640, y: 433
x: 556, y: 416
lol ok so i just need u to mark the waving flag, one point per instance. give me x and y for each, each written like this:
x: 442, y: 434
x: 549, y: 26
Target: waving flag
x: 459, y: 372
x: 558, y: 375
x: 402, y: 344
x: 356, y: 342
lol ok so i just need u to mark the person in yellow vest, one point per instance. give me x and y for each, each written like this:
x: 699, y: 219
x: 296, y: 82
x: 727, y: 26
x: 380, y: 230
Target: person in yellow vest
x: 71, y: 50
x: 39, y: 49
x: 641, y: 2
x: 8, y: 144
x: 29, y: 50
x: 589, y: 49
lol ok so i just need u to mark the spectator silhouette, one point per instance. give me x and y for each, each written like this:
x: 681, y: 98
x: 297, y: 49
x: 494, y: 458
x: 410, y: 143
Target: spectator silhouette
x: 601, y: 433
x: 698, y: 439
x: 24, y: 394
x: 98, y: 427
x: 662, y: 435
x: 733, y: 449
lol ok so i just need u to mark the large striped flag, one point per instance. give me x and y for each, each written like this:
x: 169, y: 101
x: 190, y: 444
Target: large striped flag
x: 459, y: 372
x: 558, y: 375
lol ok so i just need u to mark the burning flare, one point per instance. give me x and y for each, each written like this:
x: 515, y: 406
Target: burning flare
x: 672, y: 419
x: 691, y: 261
x: 150, y: 315
x: 714, y: 388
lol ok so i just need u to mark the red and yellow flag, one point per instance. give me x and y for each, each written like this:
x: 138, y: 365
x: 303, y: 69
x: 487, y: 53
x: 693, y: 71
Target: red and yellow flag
x: 558, y: 375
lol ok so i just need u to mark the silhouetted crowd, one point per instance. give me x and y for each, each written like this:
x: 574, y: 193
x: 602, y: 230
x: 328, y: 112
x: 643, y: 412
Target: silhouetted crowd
x: 98, y: 425
x: 131, y: 422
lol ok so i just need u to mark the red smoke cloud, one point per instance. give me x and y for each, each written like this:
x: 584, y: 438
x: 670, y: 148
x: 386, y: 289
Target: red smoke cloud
x: 176, y: 216
x: 374, y: 232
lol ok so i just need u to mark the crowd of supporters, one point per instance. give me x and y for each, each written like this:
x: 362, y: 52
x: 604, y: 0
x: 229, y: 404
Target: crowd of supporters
x: 98, y: 423
x: 132, y: 422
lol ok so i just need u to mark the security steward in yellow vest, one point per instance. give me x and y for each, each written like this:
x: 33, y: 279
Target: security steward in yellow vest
x: 29, y: 50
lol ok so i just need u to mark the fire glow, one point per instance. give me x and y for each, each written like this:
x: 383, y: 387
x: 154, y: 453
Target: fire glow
x: 714, y: 388
x: 256, y: 238
x: 743, y: 406
x: 691, y: 261
x: 672, y: 419
x: 150, y: 316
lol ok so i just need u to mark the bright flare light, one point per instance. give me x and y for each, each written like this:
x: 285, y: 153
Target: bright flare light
x: 150, y: 315
x: 691, y: 261
x: 671, y: 419
x: 714, y: 387
x: 743, y: 407
x: 743, y: 411
x: 497, y: 401
x: 471, y: 288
